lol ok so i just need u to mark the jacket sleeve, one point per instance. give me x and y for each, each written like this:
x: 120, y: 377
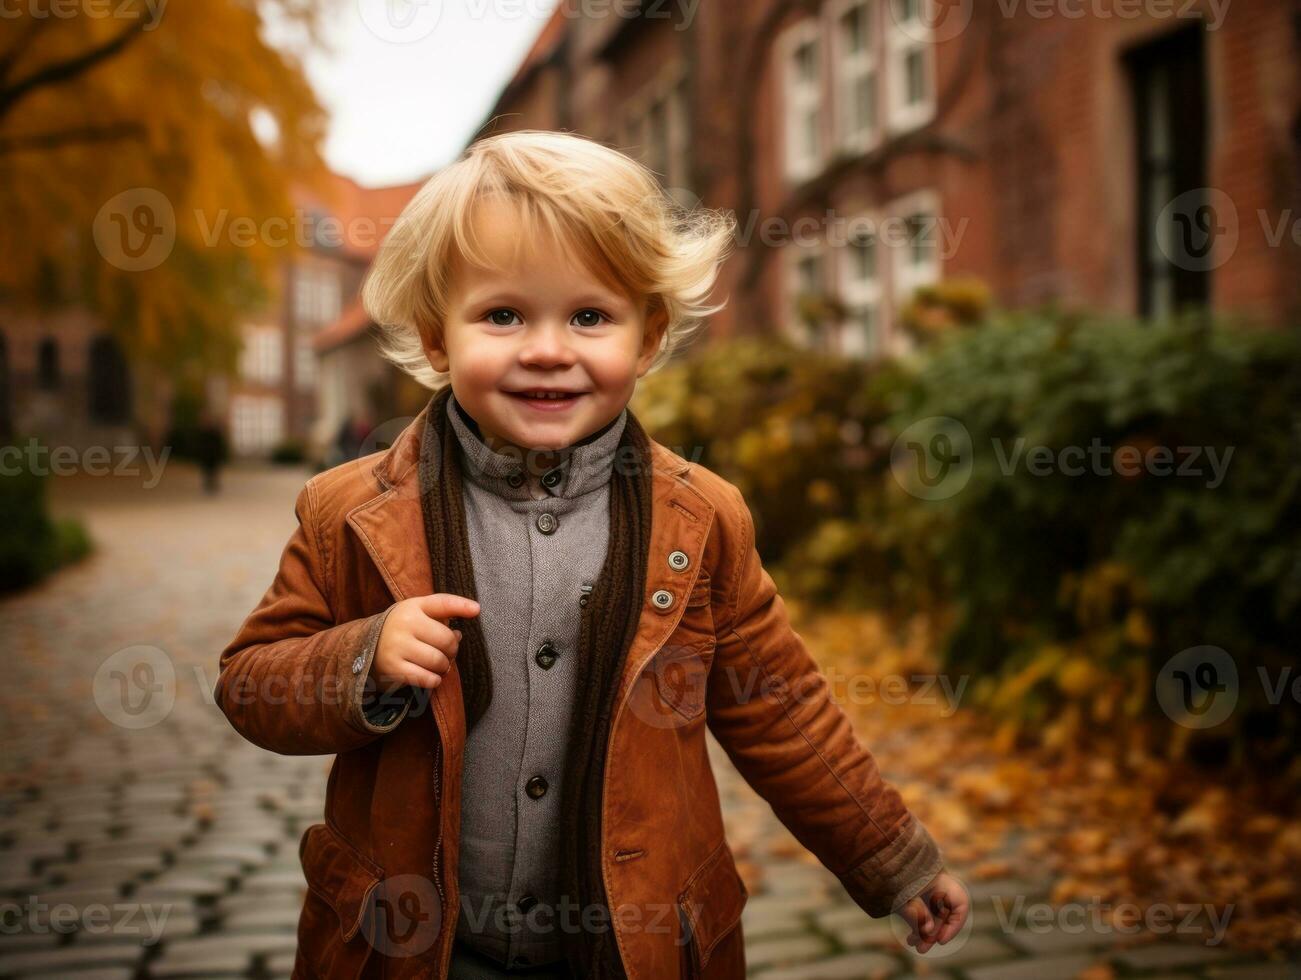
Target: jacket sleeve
x: 770, y: 708
x: 293, y: 681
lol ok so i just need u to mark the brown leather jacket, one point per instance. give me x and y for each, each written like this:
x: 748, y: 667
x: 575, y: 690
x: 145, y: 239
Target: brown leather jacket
x: 721, y: 653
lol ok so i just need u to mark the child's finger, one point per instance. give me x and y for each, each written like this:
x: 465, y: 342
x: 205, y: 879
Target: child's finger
x: 444, y: 606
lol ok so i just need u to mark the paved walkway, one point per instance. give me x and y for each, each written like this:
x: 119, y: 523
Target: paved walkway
x: 141, y: 837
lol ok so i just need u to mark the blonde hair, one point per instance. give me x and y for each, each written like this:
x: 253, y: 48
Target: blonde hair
x: 610, y: 209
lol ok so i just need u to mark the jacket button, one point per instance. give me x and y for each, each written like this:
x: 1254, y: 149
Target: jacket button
x: 536, y: 788
x: 546, y: 656
x: 525, y: 903
x: 547, y: 523
x: 662, y: 598
x: 678, y: 560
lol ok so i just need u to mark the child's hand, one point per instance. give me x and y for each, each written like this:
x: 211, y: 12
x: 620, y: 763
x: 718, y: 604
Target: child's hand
x: 416, y: 646
x: 938, y: 913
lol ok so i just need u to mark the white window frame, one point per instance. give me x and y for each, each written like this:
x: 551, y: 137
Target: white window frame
x: 859, y: 294
x: 795, y: 256
x: 257, y: 422
x: 849, y: 68
x: 262, y: 356
x: 318, y: 296
x: 801, y: 100
x: 903, y: 39
x: 906, y: 275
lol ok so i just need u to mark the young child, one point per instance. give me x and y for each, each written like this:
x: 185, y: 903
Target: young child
x: 514, y: 626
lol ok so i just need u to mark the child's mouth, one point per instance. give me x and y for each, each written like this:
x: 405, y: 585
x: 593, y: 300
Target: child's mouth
x: 547, y: 402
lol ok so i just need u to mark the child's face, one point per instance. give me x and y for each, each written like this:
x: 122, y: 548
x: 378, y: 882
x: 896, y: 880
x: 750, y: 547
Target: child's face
x: 544, y: 322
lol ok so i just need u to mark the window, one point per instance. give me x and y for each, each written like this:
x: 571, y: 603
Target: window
x: 655, y: 128
x: 257, y: 422
x: 806, y: 290
x: 803, y: 100
x: 857, y: 121
x: 1177, y: 223
x: 911, y: 51
x: 262, y: 358
x: 917, y: 256
x: 860, y: 287
x: 317, y: 299
x: 47, y: 364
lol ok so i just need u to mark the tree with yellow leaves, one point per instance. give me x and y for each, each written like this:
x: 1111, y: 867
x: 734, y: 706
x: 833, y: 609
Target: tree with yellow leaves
x: 135, y: 135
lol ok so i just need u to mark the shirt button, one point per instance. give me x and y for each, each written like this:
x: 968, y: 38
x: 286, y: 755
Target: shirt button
x: 547, y: 523
x: 358, y: 664
x: 516, y: 480
x: 551, y: 478
x: 536, y: 788
x: 525, y: 903
x: 546, y: 656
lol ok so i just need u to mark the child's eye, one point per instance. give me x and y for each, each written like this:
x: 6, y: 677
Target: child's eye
x: 596, y: 313
x: 498, y: 323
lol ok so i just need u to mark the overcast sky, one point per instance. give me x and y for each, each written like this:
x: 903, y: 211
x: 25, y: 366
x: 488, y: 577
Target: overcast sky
x: 409, y: 81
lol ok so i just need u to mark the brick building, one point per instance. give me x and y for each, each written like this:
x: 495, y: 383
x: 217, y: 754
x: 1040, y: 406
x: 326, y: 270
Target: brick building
x: 1135, y: 156
x: 286, y: 389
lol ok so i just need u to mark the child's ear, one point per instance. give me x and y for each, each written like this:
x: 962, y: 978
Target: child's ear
x: 437, y: 356
x: 657, y: 321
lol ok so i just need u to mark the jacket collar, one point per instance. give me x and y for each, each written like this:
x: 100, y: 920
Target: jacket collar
x: 585, y: 467
x: 390, y: 525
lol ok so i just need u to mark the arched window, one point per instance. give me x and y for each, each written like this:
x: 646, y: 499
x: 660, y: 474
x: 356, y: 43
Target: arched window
x: 110, y: 388
x: 47, y: 364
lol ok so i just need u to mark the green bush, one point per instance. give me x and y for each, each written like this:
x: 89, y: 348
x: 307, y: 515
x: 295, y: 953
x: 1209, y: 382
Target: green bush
x: 32, y: 544
x: 1059, y: 588
x: 289, y: 451
x: 1102, y: 570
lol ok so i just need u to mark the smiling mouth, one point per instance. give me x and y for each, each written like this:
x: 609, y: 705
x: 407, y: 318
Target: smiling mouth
x: 541, y: 397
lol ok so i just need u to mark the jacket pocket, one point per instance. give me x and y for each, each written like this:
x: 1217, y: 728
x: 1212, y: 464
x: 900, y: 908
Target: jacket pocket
x: 709, y: 908
x: 340, y: 884
x: 681, y: 668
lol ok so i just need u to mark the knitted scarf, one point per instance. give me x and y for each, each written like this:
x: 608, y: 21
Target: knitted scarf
x: 608, y: 623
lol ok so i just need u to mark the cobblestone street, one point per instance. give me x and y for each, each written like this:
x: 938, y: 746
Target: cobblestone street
x: 153, y: 841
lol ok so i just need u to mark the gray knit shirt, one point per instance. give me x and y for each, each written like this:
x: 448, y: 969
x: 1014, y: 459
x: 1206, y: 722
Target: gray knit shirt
x: 532, y: 558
